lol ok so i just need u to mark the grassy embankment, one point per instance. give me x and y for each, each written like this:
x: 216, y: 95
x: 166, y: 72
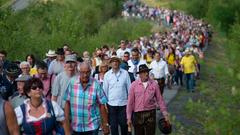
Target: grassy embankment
x: 214, y: 108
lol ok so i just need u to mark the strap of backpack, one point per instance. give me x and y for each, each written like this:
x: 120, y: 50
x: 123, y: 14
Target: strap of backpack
x: 50, y: 86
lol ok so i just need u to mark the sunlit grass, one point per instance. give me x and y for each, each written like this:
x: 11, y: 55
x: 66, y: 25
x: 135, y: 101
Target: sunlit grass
x: 157, y: 3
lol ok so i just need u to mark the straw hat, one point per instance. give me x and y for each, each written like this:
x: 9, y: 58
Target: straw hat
x: 51, y: 53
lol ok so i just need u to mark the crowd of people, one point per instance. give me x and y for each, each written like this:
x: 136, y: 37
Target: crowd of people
x: 68, y: 93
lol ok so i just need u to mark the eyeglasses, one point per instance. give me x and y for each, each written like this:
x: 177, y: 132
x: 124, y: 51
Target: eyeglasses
x: 85, y: 72
x: 34, y: 87
x: 25, y: 68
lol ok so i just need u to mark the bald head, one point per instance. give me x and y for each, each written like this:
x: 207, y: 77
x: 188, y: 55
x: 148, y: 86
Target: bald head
x: 84, y: 66
x: 85, y: 72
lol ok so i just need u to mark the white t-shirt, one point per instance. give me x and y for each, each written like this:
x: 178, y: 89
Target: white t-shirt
x: 132, y: 66
x: 120, y: 52
x: 159, y: 69
x: 59, y: 114
x: 145, y: 84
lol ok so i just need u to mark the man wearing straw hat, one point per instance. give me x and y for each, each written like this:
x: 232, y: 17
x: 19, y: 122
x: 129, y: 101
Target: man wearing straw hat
x: 51, y: 55
x: 116, y: 85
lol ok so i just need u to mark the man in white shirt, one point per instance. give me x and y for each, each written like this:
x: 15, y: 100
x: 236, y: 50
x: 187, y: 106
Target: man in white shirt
x: 116, y: 84
x: 159, y: 70
x: 135, y: 62
x: 123, y: 48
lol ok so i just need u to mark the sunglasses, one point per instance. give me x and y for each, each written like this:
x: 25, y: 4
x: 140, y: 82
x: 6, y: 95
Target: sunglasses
x: 34, y: 87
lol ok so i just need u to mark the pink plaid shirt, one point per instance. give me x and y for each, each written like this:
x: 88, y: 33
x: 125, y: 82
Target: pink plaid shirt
x: 46, y: 83
x: 84, y: 104
x: 141, y: 99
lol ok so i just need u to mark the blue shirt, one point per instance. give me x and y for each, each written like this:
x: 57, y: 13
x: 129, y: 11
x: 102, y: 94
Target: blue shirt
x: 116, y: 87
x: 84, y: 104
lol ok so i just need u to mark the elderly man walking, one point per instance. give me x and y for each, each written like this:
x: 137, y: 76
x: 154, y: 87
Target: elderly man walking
x: 116, y: 85
x: 85, y: 101
x: 144, y: 94
x: 61, y: 81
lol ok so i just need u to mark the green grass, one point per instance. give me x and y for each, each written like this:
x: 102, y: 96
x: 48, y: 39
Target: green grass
x: 220, y: 93
x: 171, y: 4
x: 214, y: 108
x: 158, y: 3
x: 2, y: 2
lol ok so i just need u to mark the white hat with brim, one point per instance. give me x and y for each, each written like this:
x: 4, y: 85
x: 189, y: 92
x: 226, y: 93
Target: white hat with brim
x: 115, y: 58
x: 51, y: 53
x: 187, y: 51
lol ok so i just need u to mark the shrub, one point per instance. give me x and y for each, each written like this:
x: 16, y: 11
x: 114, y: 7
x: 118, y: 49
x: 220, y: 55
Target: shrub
x: 48, y: 26
x: 113, y: 31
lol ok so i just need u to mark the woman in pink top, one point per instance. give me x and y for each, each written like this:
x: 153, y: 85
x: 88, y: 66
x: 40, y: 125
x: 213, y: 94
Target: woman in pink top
x: 144, y: 93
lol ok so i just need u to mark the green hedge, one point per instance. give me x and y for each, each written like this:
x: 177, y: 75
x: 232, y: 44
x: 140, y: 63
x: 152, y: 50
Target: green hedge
x: 48, y: 26
x: 115, y: 30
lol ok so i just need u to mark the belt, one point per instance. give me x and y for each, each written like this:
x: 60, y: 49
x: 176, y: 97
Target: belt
x: 159, y: 78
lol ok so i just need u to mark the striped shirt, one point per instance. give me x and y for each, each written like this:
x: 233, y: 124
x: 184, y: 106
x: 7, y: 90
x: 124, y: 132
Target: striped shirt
x: 84, y: 104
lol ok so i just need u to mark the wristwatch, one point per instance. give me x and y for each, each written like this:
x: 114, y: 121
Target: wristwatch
x: 106, y: 124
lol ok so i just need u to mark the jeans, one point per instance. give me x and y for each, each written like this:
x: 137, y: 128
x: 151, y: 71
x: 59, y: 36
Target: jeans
x: 161, y: 84
x: 94, y: 132
x: 178, y: 77
x: 190, y: 81
x: 117, y: 116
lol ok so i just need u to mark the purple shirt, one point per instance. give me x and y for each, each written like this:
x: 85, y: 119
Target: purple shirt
x: 141, y: 99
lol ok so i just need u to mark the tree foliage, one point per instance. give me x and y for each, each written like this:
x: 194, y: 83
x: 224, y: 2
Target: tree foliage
x: 49, y: 25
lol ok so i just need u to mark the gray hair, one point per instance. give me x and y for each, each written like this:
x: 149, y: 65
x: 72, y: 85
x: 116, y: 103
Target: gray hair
x: 24, y: 63
x: 83, y: 64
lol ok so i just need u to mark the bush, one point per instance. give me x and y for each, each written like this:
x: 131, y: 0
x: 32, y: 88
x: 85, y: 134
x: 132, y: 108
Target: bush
x: 48, y: 26
x: 221, y: 13
x: 113, y: 31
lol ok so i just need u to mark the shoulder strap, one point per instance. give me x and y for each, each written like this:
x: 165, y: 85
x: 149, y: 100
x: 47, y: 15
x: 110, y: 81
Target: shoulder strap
x: 50, y: 108
x: 23, y: 108
x: 50, y: 86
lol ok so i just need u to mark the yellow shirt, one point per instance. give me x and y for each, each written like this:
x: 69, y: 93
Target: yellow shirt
x: 171, y: 59
x: 188, y: 63
x: 148, y: 59
x: 33, y: 71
